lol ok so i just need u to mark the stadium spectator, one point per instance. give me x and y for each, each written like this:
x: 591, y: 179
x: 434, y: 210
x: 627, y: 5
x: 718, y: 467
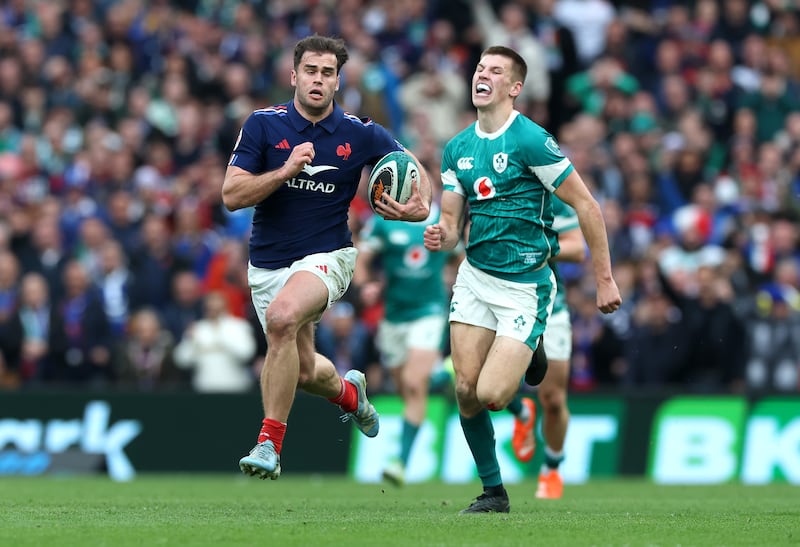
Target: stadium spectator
x: 45, y: 254
x: 122, y: 213
x: 35, y: 313
x: 185, y: 305
x: 435, y: 96
x: 217, y: 350
x: 651, y: 354
x: 774, y: 344
x: 227, y: 273
x: 10, y: 327
x: 154, y: 264
x: 715, y: 338
x: 558, y: 42
x: 80, y: 341
x: 510, y: 28
x: 143, y: 360
x: 116, y: 284
x: 588, y: 20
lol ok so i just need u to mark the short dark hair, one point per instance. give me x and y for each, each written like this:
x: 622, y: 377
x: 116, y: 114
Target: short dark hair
x: 321, y: 44
x: 518, y: 64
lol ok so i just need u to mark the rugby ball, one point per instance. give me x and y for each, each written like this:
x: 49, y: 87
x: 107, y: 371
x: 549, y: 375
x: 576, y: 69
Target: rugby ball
x: 394, y: 175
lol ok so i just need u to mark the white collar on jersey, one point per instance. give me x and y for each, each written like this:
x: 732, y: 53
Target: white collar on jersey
x: 509, y: 121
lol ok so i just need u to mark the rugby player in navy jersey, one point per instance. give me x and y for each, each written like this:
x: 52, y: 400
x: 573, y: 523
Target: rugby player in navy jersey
x: 299, y: 164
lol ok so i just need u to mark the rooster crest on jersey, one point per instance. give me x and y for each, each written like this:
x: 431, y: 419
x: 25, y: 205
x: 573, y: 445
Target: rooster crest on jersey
x: 394, y: 174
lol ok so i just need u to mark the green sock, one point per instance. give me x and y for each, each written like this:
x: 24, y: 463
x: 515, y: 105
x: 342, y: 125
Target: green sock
x: 515, y: 406
x: 407, y: 440
x: 479, y: 433
x: 552, y: 459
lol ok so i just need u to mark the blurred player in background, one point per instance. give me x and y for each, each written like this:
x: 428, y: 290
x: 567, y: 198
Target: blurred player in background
x: 505, y: 167
x: 299, y: 164
x: 556, y: 348
x: 410, y: 336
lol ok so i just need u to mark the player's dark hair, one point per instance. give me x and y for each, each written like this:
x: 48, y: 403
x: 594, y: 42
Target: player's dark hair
x: 518, y: 64
x: 321, y: 44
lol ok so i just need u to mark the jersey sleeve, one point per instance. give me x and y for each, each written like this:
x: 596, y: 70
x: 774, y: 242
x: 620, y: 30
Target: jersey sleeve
x: 565, y: 218
x: 545, y: 160
x: 382, y: 143
x: 247, y: 152
x: 370, y: 238
x: 450, y: 181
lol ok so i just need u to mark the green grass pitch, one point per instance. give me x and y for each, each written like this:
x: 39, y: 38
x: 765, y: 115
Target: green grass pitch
x: 321, y: 510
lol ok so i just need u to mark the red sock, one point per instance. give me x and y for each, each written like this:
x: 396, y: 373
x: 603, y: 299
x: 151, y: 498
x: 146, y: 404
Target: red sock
x: 272, y: 430
x: 347, y: 398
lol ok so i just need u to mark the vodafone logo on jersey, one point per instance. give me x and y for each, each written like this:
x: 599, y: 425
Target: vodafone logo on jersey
x: 484, y: 188
x: 416, y: 257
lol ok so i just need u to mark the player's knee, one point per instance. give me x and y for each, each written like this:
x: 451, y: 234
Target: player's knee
x: 304, y: 379
x: 465, y: 392
x: 494, y: 398
x: 553, y: 401
x: 414, y: 385
x: 413, y: 390
x: 281, y: 321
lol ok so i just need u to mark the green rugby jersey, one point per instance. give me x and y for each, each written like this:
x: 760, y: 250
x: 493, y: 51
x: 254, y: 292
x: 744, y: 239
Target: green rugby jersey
x: 564, y: 219
x: 508, y: 178
x: 414, y: 276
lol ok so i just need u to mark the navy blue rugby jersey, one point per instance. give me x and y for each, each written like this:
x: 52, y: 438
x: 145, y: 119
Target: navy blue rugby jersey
x: 308, y: 214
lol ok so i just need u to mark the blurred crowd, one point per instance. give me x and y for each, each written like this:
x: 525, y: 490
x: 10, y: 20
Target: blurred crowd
x: 119, y: 265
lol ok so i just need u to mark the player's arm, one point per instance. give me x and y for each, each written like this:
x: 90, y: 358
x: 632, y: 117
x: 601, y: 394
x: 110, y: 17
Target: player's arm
x: 573, y: 246
x: 362, y: 271
x: 574, y: 192
x: 242, y: 189
x: 365, y: 286
x: 418, y: 206
x: 445, y: 235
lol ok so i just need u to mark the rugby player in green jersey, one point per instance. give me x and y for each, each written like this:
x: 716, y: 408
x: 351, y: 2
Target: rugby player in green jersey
x: 556, y: 350
x: 410, y: 335
x: 505, y: 167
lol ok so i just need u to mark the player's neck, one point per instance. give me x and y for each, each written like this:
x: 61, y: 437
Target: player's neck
x: 493, y: 118
x: 313, y: 115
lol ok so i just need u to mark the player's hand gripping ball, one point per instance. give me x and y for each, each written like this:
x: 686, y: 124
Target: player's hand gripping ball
x: 394, y: 175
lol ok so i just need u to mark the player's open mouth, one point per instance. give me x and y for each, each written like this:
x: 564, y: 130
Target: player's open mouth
x: 316, y: 93
x: 482, y: 89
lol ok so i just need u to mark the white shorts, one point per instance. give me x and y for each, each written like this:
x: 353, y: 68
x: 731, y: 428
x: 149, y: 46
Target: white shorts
x: 558, y: 336
x: 516, y: 310
x: 394, y: 340
x: 335, y: 269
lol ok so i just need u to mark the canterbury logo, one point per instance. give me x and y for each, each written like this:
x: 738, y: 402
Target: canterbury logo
x: 322, y: 267
x: 283, y: 145
x: 343, y: 150
x: 465, y: 163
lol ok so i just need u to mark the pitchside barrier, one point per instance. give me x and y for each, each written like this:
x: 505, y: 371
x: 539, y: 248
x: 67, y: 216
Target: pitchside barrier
x: 668, y: 438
